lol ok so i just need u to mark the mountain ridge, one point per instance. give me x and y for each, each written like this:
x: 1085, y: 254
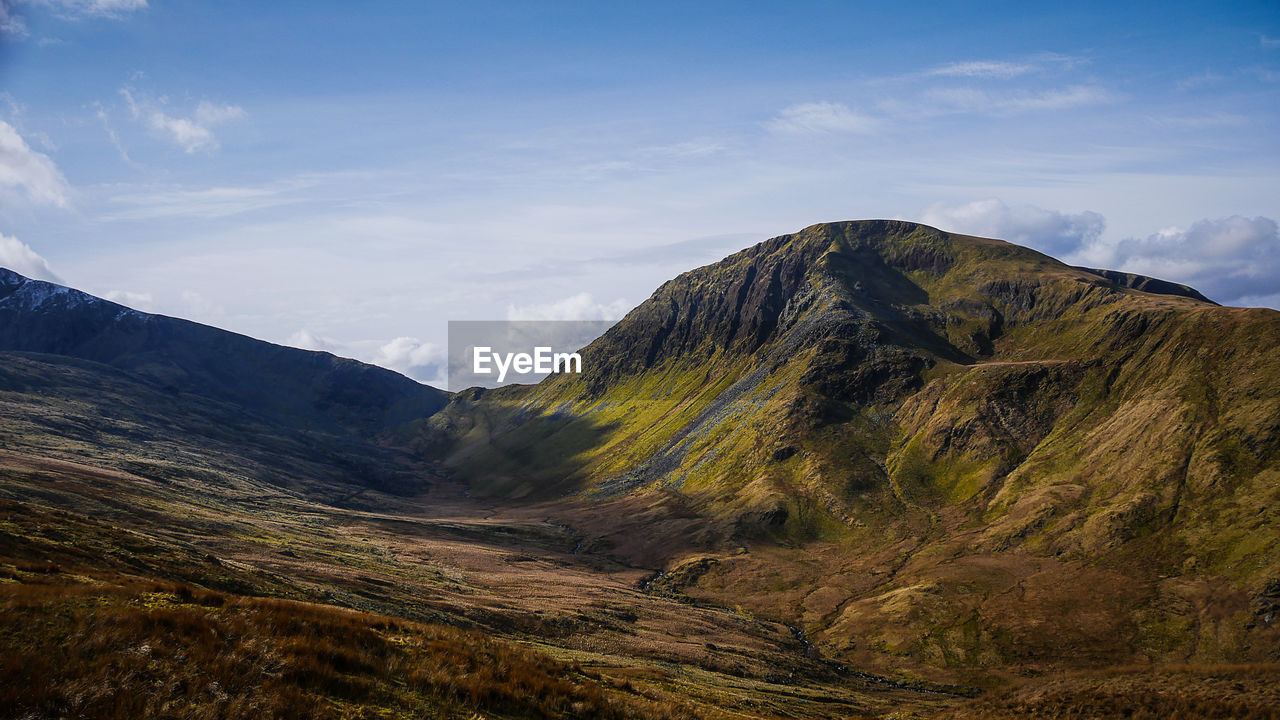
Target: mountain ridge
x: 924, y: 400
x: 936, y: 458
x: 317, y: 389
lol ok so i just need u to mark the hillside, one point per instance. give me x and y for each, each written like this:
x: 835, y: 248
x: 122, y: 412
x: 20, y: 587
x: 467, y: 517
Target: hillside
x: 196, y: 524
x: 301, y: 388
x: 937, y: 454
x: 870, y: 469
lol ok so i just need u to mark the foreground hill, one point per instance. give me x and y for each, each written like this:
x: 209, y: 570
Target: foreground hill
x: 935, y: 453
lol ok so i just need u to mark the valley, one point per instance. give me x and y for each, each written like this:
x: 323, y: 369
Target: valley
x: 433, y: 559
x: 866, y: 470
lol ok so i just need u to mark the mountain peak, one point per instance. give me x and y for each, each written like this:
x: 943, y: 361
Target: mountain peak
x: 821, y: 324
x: 892, y: 283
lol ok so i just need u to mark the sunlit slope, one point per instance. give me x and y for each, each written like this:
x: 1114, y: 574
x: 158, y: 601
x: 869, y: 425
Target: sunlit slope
x: 917, y: 397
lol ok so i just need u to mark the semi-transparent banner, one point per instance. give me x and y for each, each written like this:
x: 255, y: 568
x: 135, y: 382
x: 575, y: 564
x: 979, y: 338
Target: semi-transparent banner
x: 493, y: 353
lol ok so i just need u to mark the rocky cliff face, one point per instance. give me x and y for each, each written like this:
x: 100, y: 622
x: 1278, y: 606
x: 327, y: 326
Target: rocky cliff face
x: 944, y: 438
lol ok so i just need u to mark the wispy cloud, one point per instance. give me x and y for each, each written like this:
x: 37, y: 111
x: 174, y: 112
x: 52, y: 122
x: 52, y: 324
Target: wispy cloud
x: 93, y: 8
x: 101, y: 114
x: 981, y: 69
x: 155, y: 202
x: 203, y: 203
x: 28, y: 172
x: 135, y: 300
x: 684, y: 150
x: 1200, y: 80
x: 1269, y: 42
x: 657, y: 158
x: 821, y: 117
x: 972, y: 100
x: 11, y: 24
x: 575, y: 307
x: 192, y: 133
x: 1200, y: 121
x: 20, y: 258
x: 988, y: 69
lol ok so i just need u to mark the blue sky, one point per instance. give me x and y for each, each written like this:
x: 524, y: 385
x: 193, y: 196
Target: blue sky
x: 351, y: 176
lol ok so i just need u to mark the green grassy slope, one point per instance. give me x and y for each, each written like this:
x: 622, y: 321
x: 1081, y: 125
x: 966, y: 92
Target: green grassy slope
x: 163, y: 555
x: 940, y: 451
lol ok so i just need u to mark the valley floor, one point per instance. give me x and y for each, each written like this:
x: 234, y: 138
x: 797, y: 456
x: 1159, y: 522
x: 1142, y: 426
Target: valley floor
x: 127, y: 595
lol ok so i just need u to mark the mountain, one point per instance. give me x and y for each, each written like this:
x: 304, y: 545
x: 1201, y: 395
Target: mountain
x: 869, y: 469
x: 934, y: 453
x: 1147, y: 284
x: 314, y: 390
x: 193, y: 519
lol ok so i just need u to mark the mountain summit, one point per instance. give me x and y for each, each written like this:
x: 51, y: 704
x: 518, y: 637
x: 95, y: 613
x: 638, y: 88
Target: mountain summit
x: 1003, y: 456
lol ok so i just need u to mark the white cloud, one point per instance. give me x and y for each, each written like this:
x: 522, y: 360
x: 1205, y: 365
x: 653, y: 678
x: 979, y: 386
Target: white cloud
x: 1203, y: 120
x: 1057, y: 234
x: 575, y: 307
x: 198, y: 308
x: 981, y: 69
x: 100, y: 8
x: 11, y: 24
x: 206, y: 203
x: 422, y: 361
x: 821, y: 117
x: 192, y: 133
x: 113, y: 137
x: 1234, y: 260
x: 135, y: 300
x: 412, y: 357
x: 684, y: 150
x: 20, y: 258
x: 1200, y: 80
x: 154, y: 201
x: 306, y: 340
x: 1269, y: 42
x: 30, y: 172
x: 972, y: 100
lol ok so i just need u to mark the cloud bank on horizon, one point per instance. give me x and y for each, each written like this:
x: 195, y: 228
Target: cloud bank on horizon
x: 1233, y: 260
x: 369, y: 176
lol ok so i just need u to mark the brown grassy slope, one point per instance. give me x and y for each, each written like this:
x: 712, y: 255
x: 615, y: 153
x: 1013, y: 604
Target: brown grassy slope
x: 438, y: 557
x: 1233, y: 692
x: 939, y: 451
x: 135, y: 650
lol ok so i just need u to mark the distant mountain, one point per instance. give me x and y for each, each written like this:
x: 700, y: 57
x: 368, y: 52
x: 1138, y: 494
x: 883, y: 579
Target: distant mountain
x: 299, y: 388
x: 1147, y: 284
x: 927, y: 450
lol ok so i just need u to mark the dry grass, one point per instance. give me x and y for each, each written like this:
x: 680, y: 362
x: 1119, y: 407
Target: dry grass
x: 168, y: 650
x: 437, y: 560
x: 1184, y: 692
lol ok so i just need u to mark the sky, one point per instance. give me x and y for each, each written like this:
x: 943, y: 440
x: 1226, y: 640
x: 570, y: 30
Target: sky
x: 352, y: 176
